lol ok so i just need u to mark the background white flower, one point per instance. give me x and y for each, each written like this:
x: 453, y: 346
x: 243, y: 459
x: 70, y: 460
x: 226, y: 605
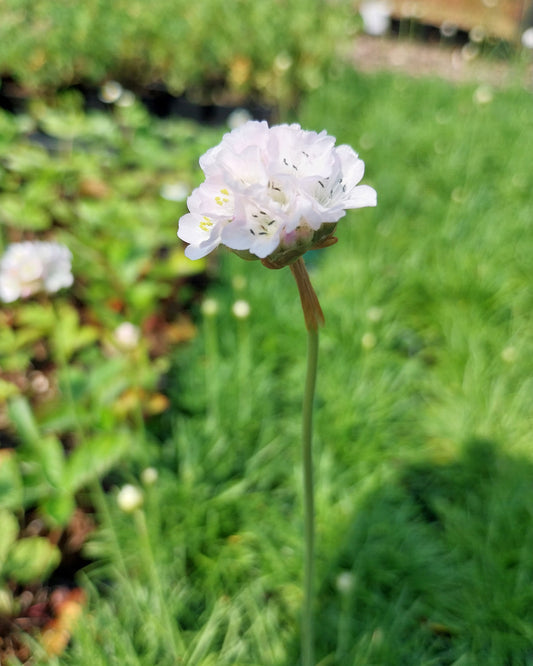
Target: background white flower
x: 272, y: 192
x: 241, y: 309
x: 127, y: 335
x: 32, y: 266
x: 129, y: 498
x: 376, y: 15
x: 178, y: 191
x: 238, y: 117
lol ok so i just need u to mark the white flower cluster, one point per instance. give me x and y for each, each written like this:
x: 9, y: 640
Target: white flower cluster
x: 272, y: 192
x: 33, y: 266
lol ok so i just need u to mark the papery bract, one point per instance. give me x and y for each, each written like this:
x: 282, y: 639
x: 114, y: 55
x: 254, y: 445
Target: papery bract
x: 33, y: 266
x: 272, y: 193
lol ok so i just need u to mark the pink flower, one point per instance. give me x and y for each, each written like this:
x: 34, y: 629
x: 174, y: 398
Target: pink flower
x: 33, y: 266
x: 272, y: 193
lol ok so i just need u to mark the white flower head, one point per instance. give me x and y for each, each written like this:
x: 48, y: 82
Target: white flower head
x: 129, y: 498
x: 345, y: 582
x: 149, y: 476
x: 127, y: 335
x: 238, y: 117
x: 241, y: 309
x: 272, y: 193
x: 178, y: 191
x: 30, y: 267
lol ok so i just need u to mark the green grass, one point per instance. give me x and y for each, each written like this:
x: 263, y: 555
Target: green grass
x: 423, y: 422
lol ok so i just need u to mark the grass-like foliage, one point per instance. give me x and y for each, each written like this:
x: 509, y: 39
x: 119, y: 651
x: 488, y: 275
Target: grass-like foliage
x: 423, y: 446
x: 47, y: 44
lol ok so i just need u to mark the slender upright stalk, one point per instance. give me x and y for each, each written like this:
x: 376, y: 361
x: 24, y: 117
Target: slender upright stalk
x: 176, y: 644
x: 313, y: 319
x: 211, y: 367
x: 309, y: 508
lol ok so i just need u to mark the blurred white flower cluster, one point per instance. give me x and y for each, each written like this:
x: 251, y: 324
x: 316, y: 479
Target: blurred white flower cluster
x: 272, y: 193
x: 31, y: 267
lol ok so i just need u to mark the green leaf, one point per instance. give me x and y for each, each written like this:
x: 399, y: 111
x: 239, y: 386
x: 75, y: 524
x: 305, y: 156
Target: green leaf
x: 36, y: 316
x: 22, y: 214
x: 7, y: 389
x: 177, y: 265
x: 44, y: 451
x: 51, y: 457
x: 16, y: 346
x: 95, y: 457
x: 11, y: 496
x: 27, y: 159
x: 58, y: 508
x: 68, y: 336
x: 31, y: 559
x: 21, y: 416
x: 9, y: 528
x: 109, y: 380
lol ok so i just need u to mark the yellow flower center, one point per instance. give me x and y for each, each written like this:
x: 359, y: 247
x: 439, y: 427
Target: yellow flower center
x: 224, y: 198
x: 206, y: 223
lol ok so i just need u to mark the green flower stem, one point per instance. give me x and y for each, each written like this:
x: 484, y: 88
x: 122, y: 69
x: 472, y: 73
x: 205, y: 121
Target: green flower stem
x: 313, y: 319
x: 176, y: 644
x: 211, y: 370
x: 309, y: 502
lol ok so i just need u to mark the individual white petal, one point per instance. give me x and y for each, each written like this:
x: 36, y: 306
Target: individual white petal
x: 256, y: 229
x: 361, y: 196
x: 196, y: 229
x: 325, y: 215
x: 252, y: 133
x: 237, y: 236
x: 352, y: 167
x: 262, y: 247
x: 200, y: 251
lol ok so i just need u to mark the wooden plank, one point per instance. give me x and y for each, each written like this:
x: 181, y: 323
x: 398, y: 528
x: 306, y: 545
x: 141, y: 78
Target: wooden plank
x: 498, y: 18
